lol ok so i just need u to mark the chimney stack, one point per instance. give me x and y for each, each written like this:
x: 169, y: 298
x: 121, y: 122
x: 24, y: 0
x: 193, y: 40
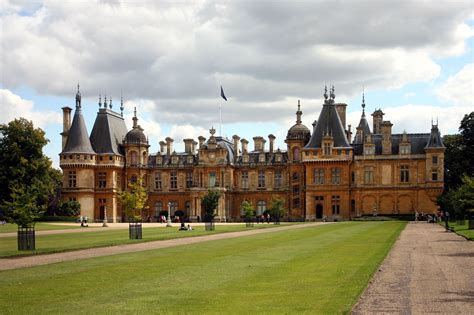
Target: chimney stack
x: 169, y: 146
x: 341, y: 111
x: 162, y: 147
x: 259, y: 144
x: 244, y: 143
x: 386, y: 137
x: 271, y: 140
x: 236, y: 139
x: 201, y: 140
x: 188, y: 145
x: 66, y: 124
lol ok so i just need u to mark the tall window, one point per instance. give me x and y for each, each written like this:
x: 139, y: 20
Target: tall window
x: 327, y: 148
x: 102, y: 178
x: 296, y: 203
x: 434, y: 175
x: 353, y: 177
x: 336, y: 176
x: 368, y: 175
x: 319, y: 176
x: 404, y: 174
x: 72, y: 179
x: 261, y: 207
x: 245, y: 179
x: 296, y: 189
x: 434, y: 159
x: 158, y: 208
x: 187, y: 207
x: 174, y: 180
x: 133, y: 158
x: 212, y: 179
x: 335, y: 200
x: 296, y: 177
x: 261, y: 179
x: 189, y: 179
x: 296, y: 154
x: 158, y: 183
x: 278, y: 179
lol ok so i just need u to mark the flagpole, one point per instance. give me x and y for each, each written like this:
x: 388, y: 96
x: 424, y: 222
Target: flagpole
x: 220, y: 119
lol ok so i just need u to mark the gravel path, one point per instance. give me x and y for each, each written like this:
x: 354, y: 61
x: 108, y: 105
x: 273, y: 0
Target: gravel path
x: 29, y: 261
x: 427, y: 271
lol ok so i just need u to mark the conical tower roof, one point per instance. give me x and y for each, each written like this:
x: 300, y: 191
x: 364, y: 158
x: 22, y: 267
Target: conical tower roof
x: 329, y: 124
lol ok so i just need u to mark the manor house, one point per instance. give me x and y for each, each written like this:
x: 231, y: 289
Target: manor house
x: 324, y: 172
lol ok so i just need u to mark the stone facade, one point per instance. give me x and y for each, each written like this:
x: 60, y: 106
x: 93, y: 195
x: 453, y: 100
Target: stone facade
x: 321, y: 174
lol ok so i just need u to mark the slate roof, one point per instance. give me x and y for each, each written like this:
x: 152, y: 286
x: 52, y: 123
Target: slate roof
x: 329, y: 123
x: 108, y: 132
x: 365, y: 129
x: 435, y: 140
x: 418, y: 143
x: 270, y: 157
x: 78, y: 138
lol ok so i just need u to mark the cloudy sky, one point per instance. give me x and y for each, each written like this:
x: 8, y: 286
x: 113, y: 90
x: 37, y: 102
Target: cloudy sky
x: 414, y: 59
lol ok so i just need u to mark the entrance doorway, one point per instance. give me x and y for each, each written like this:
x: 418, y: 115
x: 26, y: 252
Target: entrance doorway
x: 319, y: 211
x: 101, y: 212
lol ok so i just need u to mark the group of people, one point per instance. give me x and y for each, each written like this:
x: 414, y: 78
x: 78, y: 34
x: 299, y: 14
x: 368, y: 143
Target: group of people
x: 83, y: 221
x: 263, y: 218
x: 420, y: 216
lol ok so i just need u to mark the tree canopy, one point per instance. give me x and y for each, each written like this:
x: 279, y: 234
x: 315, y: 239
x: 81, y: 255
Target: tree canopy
x: 248, y: 210
x: 277, y: 209
x: 134, y: 200
x: 28, y: 180
x: 209, y: 204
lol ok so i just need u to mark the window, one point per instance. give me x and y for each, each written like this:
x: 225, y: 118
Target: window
x: 174, y: 180
x: 336, y: 176
x: 434, y: 175
x: 296, y: 154
x: 404, y: 174
x: 296, y: 189
x: 369, y: 150
x: 296, y: 203
x: 319, y: 198
x: 212, y: 179
x: 102, y: 177
x: 405, y: 149
x: 368, y: 176
x: 158, y: 183
x: 296, y: 177
x: 335, y: 204
x: 261, y: 207
x: 187, y: 207
x: 278, y: 179
x: 133, y: 158
x: 353, y: 177
x: 172, y: 207
x: 72, y: 179
x: 189, y: 179
x: 261, y: 179
x: 319, y: 176
x: 245, y: 179
x: 158, y: 208
x: 134, y: 179
x: 327, y: 148
x: 434, y: 160
x: 261, y: 158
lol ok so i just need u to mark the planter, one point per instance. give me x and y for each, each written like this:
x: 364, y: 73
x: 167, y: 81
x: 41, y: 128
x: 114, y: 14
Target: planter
x: 135, y: 231
x: 26, y: 238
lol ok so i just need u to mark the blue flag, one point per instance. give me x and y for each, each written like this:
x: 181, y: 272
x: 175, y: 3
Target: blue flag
x: 222, y: 94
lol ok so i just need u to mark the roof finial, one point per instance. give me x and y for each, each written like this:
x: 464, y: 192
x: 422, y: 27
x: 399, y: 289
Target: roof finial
x: 299, y: 105
x: 105, y: 100
x: 135, y: 119
x: 325, y: 92
x: 332, y: 95
x: 78, y: 97
x: 298, y: 113
x: 100, y: 101
x: 110, y: 103
x: 78, y: 86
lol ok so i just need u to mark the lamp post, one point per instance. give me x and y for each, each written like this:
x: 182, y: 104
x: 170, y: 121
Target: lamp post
x: 168, y: 222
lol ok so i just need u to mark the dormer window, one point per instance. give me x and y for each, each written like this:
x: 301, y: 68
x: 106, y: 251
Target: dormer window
x: 327, y: 148
x: 278, y: 158
x: 245, y: 158
x: 405, y: 149
x: 190, y: 159
x: 369, y: 150
x: 261, y: 158
x: 174, y: 160
x: 159, y: 160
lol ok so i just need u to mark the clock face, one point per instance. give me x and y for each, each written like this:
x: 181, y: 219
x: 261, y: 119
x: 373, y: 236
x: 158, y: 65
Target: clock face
x: 212, y: 156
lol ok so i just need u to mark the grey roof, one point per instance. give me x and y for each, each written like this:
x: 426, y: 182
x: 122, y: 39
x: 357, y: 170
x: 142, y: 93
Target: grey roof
x: 225, y: 144
x: 329, y: 123
x: 270, y: 157
x: 136, y: 136
x: 435, y: 140
x: 418, y: 143
x: 365, y: 129
x: 78, y: 138
x: 108, y: 132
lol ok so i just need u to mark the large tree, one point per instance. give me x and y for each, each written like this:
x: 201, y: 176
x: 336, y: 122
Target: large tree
x: 209, y: 204
x: 29, y: 182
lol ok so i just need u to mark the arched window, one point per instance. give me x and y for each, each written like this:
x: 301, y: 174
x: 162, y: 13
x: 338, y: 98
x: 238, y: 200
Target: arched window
x: 133, y: 158
x: 144, y: 161
x: 158, y: 208
x: 296, y: 154
x: 261, y: 207
x: 187, y: 207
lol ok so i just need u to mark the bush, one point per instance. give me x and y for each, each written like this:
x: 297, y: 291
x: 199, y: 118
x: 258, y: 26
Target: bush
x: 70, y: 208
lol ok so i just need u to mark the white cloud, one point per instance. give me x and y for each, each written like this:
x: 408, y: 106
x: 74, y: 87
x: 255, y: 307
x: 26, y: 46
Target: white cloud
x: 458, y: 89
x: 13, y: 106
x: 172, y: 57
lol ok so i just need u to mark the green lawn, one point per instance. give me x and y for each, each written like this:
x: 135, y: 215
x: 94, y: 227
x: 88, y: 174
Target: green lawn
x: 40, y: 226
x: 317, y: 270
x: 463, y: 229
x: 74, y: 241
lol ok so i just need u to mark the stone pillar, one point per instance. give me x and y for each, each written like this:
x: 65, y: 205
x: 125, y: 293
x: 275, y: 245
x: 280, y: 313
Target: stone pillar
x: 259, y: 144
x: 188, y: 145
x: 236, y: 139
x: 66, y: 124
x: 162, y: 147
x: 201, y: 141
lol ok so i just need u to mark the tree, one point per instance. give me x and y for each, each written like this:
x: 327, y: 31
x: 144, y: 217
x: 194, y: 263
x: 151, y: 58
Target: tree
x: 276, y: 209
x: 209, y: 204
x: 28, y: 180
x: 70, y: 208
x: 463, y: 196
x: 249, y: 212
x: 134, y: 200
